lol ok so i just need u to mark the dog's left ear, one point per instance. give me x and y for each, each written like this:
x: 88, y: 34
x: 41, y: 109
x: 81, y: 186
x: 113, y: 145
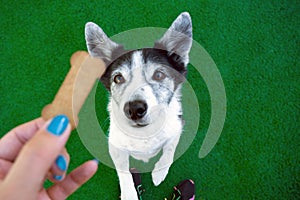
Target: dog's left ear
x: 178, y: 38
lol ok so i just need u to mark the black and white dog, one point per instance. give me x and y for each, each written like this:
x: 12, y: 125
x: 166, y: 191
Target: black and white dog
x: 145, y: 98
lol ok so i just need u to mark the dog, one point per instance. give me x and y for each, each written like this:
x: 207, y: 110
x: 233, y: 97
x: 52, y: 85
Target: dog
x: 145, y: 98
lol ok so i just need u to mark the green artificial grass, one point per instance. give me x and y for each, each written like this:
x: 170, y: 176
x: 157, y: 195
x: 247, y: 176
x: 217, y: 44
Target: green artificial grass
x: 255, y: 45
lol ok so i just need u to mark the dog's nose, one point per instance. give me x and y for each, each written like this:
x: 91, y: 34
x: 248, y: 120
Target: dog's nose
x: 135, y: 109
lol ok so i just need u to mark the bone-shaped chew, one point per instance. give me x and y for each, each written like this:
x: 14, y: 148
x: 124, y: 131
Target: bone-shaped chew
x: 84, y: 71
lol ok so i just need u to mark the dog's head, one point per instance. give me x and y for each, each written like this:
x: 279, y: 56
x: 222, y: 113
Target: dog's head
x: 144, y: 82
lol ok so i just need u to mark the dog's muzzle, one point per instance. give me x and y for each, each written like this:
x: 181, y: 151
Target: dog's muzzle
x: 135, y: 110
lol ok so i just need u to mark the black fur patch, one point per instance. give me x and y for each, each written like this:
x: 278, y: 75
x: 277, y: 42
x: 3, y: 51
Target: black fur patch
x: 173, y: 61
x: 120, y: 58
x: 155, y: 55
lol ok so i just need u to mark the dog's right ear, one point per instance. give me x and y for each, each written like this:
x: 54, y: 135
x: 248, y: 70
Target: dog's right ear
x: 99, y: 45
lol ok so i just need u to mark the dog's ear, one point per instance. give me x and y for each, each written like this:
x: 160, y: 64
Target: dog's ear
x: 99, y: 45
x: 178, y: 38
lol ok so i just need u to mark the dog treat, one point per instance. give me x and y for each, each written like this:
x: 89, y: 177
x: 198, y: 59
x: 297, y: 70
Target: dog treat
x: 84, y: 71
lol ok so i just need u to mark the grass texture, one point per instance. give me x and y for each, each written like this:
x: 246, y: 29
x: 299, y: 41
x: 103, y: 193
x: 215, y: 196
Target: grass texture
x: 255, y: 45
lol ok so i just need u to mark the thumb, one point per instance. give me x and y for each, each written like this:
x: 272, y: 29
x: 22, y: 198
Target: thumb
x: 36, y: 157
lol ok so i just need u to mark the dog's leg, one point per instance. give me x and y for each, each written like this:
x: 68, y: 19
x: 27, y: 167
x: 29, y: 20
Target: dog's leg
x: 121, y: 161
x: 161, y: 168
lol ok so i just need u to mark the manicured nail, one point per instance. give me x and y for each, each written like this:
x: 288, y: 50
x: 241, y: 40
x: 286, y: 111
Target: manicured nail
x: 61, y: 163
x: 57, y: 177
x: 96, y: 161
x: 58, y: 125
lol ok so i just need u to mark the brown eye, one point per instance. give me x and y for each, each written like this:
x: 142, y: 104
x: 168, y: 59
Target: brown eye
x: 158, y: 76
x: 118, y: 79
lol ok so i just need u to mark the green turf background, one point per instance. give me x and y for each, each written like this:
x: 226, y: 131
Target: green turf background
x: 255, y: 45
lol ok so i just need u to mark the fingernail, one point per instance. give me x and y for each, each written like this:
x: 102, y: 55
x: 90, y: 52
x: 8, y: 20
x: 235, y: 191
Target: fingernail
x: 57, y: 177
x: 96, y: 161
x: 58, y: 125
x: 61, y: 163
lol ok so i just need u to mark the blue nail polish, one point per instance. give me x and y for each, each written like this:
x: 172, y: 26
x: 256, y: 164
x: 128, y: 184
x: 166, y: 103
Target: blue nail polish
x: 96, y: 160
x: 58, y: 125
x: 57, y: 177
x: 61, y: 163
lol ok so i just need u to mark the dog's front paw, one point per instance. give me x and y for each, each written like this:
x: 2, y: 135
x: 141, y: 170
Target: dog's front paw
x: 129, y: 195
x: 158, y: 175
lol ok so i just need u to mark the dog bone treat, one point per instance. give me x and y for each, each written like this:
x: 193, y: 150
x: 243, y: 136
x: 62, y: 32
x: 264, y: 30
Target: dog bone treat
x: 84, y: 71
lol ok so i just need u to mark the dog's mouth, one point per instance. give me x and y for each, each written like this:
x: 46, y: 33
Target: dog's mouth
x: 139, y: 125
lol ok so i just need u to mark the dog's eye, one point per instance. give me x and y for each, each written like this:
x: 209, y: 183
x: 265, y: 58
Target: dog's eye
x: 159, y: 75
x: 118, y: 79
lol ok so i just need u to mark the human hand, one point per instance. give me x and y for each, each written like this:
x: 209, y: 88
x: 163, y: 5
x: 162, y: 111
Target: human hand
x: 29, y: 154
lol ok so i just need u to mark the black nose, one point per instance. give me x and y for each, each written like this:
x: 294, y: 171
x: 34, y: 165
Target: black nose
x: 135, y: 109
